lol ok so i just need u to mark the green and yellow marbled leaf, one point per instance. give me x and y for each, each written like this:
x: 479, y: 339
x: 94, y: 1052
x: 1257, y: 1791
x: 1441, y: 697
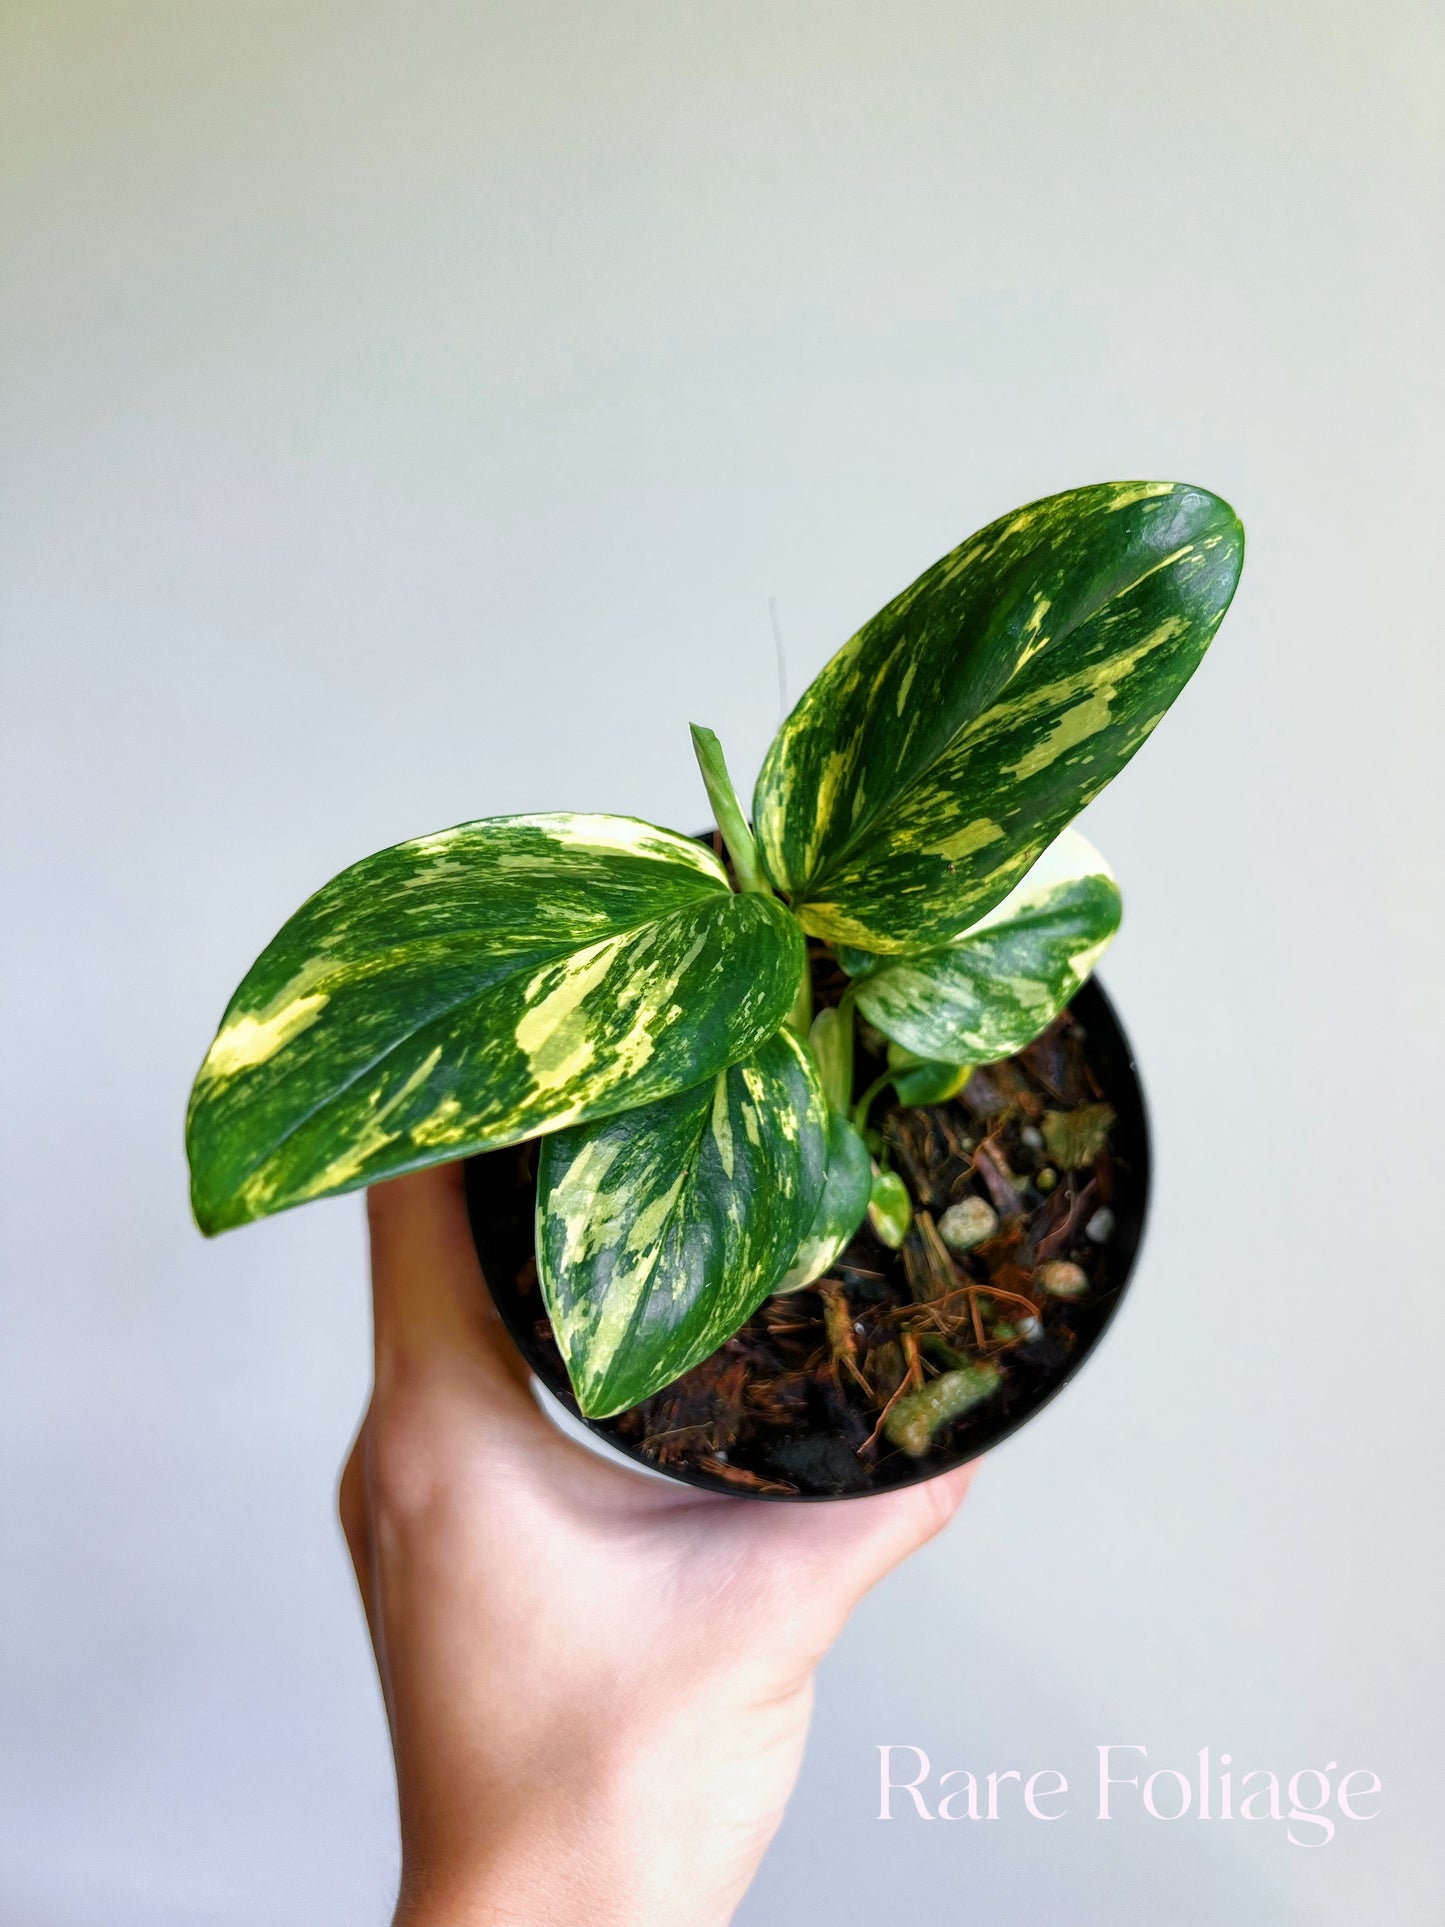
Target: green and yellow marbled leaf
x: 948, y: 743
x: 662, y: 1229
x: 992, y: 990
x: 925, y: 1080
x: 830, y: 1038
x: 841, y: 1209
x: 890, y: 1209
x: 473, y: 988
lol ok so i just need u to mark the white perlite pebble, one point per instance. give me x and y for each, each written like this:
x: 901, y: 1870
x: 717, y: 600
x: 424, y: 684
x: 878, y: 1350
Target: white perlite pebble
x: 1100, y: 1227
x: 1061, y: 1279
x: 968, y: 1223
x: 1033, y: 1137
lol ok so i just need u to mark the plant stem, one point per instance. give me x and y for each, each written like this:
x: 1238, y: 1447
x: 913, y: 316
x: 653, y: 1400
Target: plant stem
x: 728, y: 812
x: 865, y: 1102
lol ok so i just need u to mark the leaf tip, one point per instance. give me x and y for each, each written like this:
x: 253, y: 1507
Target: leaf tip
x: 210, y: 1221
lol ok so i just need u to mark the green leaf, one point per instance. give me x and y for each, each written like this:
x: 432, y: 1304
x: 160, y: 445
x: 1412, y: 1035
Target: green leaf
x: 923, y: 1080
x: 661, y: 1230
x: 472, y: 988
x: 992, y: 990
x: 958, y: 732
x: 852, y: 960
x: 841, y: 1209
x: 890, y: 1209
x: 727, y: 811
x: 831, y: 1042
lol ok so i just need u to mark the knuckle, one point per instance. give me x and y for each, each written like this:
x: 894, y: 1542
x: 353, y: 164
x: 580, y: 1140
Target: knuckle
x: 350, y: 1496
x: 408, y: 1460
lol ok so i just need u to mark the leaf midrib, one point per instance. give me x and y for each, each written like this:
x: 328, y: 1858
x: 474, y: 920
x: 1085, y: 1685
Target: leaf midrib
x: 434, y: 1016
x: 864, y: 830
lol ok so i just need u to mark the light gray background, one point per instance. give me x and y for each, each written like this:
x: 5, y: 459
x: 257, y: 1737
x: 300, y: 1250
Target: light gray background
x: 408, y: 413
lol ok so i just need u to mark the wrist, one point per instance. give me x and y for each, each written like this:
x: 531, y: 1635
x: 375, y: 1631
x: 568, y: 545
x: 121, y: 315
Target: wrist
x: 657, y: 1825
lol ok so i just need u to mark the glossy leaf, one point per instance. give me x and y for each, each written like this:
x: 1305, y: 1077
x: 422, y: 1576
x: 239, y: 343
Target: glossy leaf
x: 962, y: 728
x: 727, y: 810
x: 841, y: 1209
x: 831, y: 1041
x: 994, y: 989
x: 661, y: 1230
x: 890, y: 1209
x: 472, y: 988
x: 925, y: 1080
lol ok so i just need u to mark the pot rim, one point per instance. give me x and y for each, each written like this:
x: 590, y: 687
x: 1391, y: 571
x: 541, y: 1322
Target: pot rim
x: 1098, y: 1015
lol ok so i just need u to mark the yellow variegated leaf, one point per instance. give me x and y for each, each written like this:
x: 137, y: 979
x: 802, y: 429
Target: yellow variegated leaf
x: 925, y: 1080
x: 890, y: 1209
x: 961, y: 729
x: 841, y: 1209
x: 831, y: 1041
x: 662, y: 1229
x: 473, y: 988
x: 992, y: 990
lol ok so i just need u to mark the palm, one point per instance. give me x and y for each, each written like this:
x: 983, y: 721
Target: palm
x: 515, y: 1584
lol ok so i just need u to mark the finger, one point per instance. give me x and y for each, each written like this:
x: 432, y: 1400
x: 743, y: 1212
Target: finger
x: 851, y: 1547
x: 429, y: 1300
x: 896, y: 1524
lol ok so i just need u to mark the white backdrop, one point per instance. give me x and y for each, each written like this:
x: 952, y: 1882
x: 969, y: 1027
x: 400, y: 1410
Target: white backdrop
x: 407, y: 414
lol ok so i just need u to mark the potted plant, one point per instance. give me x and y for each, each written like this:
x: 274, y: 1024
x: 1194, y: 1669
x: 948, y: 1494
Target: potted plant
x: 804, y: 1161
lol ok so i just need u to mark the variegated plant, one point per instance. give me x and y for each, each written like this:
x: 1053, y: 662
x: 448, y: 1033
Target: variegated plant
x: 602, y: 985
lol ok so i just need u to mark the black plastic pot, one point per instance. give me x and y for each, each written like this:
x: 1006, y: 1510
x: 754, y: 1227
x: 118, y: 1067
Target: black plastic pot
x: 500, y: 1220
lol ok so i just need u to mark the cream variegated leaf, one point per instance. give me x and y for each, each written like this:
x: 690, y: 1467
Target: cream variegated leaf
x: 662, y: 1229
x: 992, y: 990
x: 841, y: 1209
x: 960, y: 730
x: 830, y: 1038
x: 469, y: 989
x: 890, y: 1209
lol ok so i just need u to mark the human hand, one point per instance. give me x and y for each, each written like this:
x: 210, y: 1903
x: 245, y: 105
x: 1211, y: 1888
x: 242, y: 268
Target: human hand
x: 598, y: 1685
